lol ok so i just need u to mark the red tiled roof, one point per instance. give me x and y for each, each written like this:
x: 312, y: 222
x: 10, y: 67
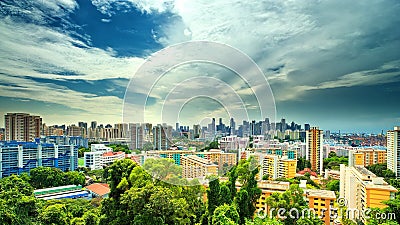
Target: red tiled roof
x: 105, y: 185
x: 308, y: 170
x: 113, y: 153
x: 99, y: 188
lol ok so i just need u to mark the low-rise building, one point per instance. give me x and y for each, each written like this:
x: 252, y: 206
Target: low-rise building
x: 61, y: 192
x: 94, y: 158
x: 98, y: 190
x: 109, y: 158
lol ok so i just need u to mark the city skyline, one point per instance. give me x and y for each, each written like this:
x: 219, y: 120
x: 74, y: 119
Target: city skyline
x: 333, y: 64
x: 273, y: 124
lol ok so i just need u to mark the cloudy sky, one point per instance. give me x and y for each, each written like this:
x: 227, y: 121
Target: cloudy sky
x: 331, y: 63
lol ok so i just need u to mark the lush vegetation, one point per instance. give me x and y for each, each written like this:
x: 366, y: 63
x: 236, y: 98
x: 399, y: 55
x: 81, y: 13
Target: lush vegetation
x: 45, y: 177
x: 82, y: 150
x: 120, y: 148
x: 333, y: 185
x: 213, y: 145
x: 381, y: 170
x: 296, y: 180
x: 302, y: 163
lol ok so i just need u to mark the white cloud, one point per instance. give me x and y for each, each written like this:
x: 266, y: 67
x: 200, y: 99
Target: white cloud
x: 388, y: 73
x: 38, y: 51
x: 27, y: 89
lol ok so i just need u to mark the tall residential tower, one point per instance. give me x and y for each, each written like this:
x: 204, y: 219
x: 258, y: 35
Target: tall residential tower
x: 314, y: 141
x: 22, y: 127
x: 393, y: 150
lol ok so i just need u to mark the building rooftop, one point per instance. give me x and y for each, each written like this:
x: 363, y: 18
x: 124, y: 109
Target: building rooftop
x: 320, y: 193
x: 199, y: 159
x: 113, y: 153
x: 169, y: 151
x: 364, y: 172
x: 99, y: 188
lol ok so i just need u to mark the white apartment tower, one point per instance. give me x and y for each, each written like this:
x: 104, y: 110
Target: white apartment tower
x: 393, y: 150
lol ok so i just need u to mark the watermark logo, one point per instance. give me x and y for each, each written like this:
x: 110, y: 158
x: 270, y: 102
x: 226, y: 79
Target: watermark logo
x: 342, y: 202
x: 192, y: 83
x: 333, y: 213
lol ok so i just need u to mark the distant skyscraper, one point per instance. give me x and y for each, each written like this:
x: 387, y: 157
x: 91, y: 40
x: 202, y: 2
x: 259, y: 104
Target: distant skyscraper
x: 232, y: 126
x: 393, y: 150
x: 22, y: 127
x: 213, y: 126
x: 314, y: 140
x: 306, y: 126
x: 283, y: 125
x: 245, y: 129
x: 177, y: 127
x: 196, y: 130
x: 161, y: 137
x: 83, y: 125
x: 252, y: 128
x: 73, y: 130
x: 293, y: 126
x: 93, y: 125
x: 266, y: 126
x: 136, y: 135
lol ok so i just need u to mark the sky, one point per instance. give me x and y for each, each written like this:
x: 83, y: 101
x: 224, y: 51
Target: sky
x: 331, y: 63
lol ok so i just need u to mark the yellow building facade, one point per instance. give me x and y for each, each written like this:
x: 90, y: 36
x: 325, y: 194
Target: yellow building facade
x: 196, y: 167
x: 276, y: 166
x: 367, y: 157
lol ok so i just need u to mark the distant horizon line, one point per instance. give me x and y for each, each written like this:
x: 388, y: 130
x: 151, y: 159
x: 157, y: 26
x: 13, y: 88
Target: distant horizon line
x: 336, y: 131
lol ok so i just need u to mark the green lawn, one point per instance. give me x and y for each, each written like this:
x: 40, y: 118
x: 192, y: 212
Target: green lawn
x: 81, y: 162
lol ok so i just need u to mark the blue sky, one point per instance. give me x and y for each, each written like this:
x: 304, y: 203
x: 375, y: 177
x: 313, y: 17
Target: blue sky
x: 331, y: 63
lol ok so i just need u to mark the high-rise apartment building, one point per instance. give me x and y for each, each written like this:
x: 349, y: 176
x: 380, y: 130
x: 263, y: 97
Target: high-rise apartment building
x: 314, y: 141
x: 2, y: 132
x: 393, y: 150
x: 366, y: 157
x: 162, y: 137
x: 196, y: 131
x: 84, y: 127
x: 136, y: 135
x: 22, y: 127
x: 93, y: 125
x: 19, y: 157
x: 74, y: 130
x: 283, y: 125
x: 362, y: 190
x: 276, y: 166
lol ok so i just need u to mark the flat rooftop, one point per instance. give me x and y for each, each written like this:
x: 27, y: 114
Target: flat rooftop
x: 320, y: 193
x: 199, y: 160
x: 363, y: 171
